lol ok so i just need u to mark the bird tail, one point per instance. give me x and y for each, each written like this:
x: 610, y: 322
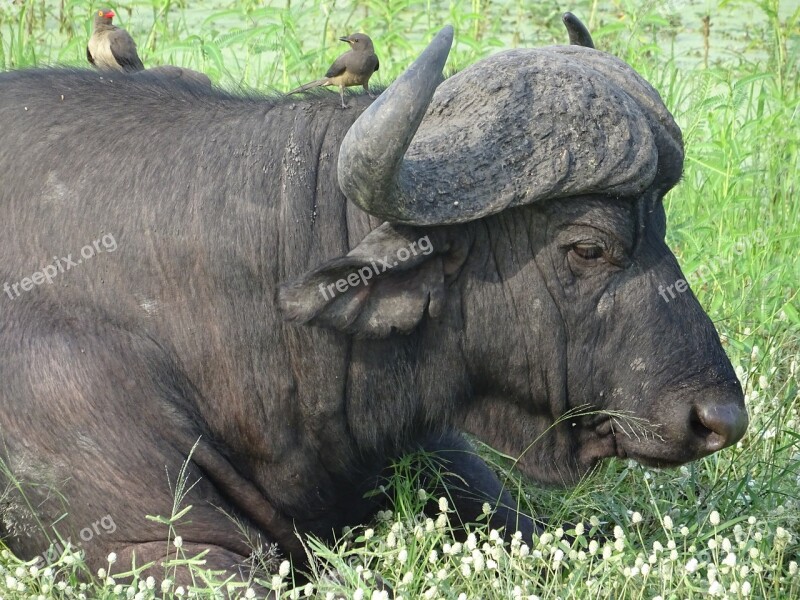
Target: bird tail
x: 308, y: 86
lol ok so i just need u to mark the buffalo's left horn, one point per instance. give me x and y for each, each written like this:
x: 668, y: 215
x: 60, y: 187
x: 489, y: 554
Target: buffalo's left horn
x: 578, y: 34
x: 371, y: 155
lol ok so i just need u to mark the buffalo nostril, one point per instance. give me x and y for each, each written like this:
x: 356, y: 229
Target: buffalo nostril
x: 719, y: 425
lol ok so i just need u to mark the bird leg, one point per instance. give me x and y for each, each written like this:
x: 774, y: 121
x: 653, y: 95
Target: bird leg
x: 341, y: 95
x: 366, y: 89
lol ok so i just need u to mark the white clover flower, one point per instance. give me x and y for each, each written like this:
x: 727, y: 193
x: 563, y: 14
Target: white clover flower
x: 391, y: 540
x: 178, y: 541
x: 150, y: 582
x: 441, y: 521
x: 593, y: 546
x: 792, y: 568
x: 11, y: 582
x: 276, y: 583
x: 671, y: 545
x: 715, y: 589
x: 441, y: 574
x: 684, y: 531
x: 667, y: 522
x: 750, y: 521
x: 712, y: 544
x: 559, y: 533
x: 494, y: 535
x: 112, y: 558
x: 422, y: 494
x: 580, y: 529
x: 754, y: 552
x: 308, y: 590
x: 101, y: 573
x: 477, y: 560
x: 118, y: 589
x: 691, y: 565
x: 465, y: 570
x: 486, y: 509
x: 408, y: 578
x: 429, y: 525
x: 472, y: 542
x: 284, y: 568
x: 358, y: 594
x: 714, y: 518
x: 402, y: 556
x: 729, y: 560
x: 369, y: 534
x: 462, y: 596
x: 606, y: 552
x: 594, y: 521
x: 558, y: 555
x: 726, y: 545
x: 524, y: 550
x: 491, y: 564
x: 636, y: 518
x: 443, y: 504
x: 619, y: 545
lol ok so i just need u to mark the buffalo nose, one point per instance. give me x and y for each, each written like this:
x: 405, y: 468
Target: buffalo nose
x: 720, y: 425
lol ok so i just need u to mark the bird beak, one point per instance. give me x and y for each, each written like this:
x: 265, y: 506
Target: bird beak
x: 109, y: 14
x: 345, y: 39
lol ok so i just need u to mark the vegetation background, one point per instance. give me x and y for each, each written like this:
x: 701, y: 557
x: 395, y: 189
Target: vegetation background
x: 727, y: 526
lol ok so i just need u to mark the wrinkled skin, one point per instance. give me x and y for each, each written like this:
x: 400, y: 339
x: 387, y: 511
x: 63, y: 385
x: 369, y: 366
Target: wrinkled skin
x: 207, y: 323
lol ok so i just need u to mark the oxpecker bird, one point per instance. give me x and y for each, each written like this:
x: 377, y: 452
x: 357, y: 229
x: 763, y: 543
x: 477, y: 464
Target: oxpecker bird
x: 354, y: 67
x: 111, y: 48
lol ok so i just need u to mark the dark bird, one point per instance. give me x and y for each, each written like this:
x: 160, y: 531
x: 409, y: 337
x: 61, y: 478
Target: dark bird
x: 111, y: 48
x: 354, y: 67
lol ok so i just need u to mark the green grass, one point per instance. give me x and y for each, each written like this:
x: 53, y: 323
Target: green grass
x: 735, y: 516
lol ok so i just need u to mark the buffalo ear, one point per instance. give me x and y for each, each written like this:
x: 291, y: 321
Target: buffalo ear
x: 384, y: 285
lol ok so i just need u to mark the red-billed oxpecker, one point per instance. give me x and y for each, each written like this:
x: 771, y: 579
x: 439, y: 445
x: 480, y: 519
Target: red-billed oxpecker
x: 111, y: 48
x: 354, y: 67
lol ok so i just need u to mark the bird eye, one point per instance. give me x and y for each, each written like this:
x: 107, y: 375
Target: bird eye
x: 99, y: 13
x: 588, y: 251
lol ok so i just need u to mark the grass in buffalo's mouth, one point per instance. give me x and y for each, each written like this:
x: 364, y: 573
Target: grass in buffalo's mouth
x: 727, y: 526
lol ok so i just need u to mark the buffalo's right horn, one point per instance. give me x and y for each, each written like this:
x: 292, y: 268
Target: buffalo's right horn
x: 578, y: 34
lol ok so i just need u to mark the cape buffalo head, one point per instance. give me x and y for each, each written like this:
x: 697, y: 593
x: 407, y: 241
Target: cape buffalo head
x: 537, y: 177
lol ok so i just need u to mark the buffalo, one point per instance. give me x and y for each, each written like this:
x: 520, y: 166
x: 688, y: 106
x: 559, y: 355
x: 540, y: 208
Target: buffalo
x: 269, y: 299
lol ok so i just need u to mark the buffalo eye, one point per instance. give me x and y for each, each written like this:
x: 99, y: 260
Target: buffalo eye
x: 588, y: 251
